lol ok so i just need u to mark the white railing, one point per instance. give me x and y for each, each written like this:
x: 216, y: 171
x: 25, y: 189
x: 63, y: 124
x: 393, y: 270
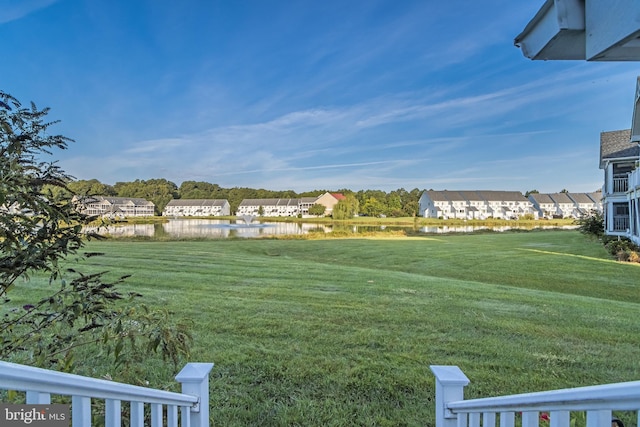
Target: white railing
x: 597, y: 401
x: 41, y: 384
x: 620, y: 184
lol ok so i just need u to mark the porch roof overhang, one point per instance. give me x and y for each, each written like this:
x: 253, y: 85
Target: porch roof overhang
x: 592, y: 30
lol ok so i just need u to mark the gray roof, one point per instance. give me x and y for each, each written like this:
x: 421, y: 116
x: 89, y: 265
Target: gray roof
x: 453, y: 196
x: 596, y: 196
x: 499, y: 196
x: 269, y: 202
x: 197, y: 202
x: 581, y: 198
x: 138, y: 201
x: 561, y: 198
x: 540, y: 198
x: 617, y: 144
x: 473, y: 195
x: 436, y: 196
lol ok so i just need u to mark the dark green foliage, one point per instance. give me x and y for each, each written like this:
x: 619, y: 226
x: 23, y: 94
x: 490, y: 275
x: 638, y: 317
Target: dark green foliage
x: 40, y: 230
x: 37, y: 228
x: 345, y: 208
x: 317, y: 210
x: 158, y: 191
x: 592, y: 224
x: 622, y: 248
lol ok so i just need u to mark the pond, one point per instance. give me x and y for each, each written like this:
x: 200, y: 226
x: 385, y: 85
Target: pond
x: 212, y: 228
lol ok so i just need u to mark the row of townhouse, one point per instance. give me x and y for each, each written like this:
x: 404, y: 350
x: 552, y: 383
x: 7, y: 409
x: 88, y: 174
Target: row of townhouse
x: 197, y: 207
x: 477, y: 204
x: 566, y: 205
x: 472, y: 204
x: 115, y: 207
x: 251, y: 207
x: 288, y: 207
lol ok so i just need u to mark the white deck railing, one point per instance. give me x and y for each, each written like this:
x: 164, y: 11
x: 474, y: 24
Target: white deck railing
x: 597, y: 401
x: 41, y: 384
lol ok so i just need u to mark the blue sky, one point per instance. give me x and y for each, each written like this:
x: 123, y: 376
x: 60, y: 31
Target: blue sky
x: 305, y: 95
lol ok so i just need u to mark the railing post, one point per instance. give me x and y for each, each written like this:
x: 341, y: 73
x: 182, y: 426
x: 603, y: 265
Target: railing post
x: 450, y: 383
x: 194, y: 378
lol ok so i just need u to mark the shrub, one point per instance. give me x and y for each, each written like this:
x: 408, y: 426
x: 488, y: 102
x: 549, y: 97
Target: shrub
x: 623, y: 249
x: 591, y: 223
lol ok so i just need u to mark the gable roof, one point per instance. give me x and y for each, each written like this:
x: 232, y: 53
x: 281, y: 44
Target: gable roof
x: 269, y: 202
x: 617, y: 144
x: 541, y: 198
x: 136, y: 201
x: 561, y: 198
x: 581, y: 198
x: 596, y: 196
x: 473, y: 195
x: 500, y: 196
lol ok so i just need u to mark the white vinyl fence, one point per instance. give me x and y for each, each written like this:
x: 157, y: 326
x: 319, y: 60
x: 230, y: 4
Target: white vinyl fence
x: 187, y: 409
x: 597, y: 402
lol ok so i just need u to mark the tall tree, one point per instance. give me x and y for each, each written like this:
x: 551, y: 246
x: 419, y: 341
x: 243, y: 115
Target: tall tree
x: 346, y: 208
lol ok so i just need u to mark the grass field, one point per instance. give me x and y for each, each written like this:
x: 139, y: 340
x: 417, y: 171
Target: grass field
x: 341, y: 332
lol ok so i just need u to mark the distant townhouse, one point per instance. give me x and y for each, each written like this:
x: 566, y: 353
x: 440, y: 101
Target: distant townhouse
x: 544, y: 204
x: 435, y: 204
x: 197, y: 207
x: 474, y: 204
x: 115, y: 207
x: 268, y: 207
x: 507, y: 204
x: 585, y: 203
x: 477, y: 208
x: 566, y: 205
x: 287, y: 207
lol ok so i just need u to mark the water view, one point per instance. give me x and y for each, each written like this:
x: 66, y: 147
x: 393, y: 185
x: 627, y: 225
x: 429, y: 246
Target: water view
x: 212, y: 228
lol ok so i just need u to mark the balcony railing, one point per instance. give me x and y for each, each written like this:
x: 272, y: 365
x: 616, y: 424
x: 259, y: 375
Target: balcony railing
x: 620, y: 223
x: 620, y: 184
x: 555, y: 406
x: 192, y: 405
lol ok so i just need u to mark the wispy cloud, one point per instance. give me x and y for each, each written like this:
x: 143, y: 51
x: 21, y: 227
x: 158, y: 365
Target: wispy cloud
x: 11, y: 10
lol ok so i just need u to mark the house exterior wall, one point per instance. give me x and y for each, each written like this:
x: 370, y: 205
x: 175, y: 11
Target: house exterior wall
x: 474, y: 205
x: 115, y: 207
x: 618, y: 159
x: 197, y: 207
x: 328, y: 201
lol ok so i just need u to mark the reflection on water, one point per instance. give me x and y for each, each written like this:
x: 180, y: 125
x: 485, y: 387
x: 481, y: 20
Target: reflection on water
x: 209, y: 228
x: 212, y: 228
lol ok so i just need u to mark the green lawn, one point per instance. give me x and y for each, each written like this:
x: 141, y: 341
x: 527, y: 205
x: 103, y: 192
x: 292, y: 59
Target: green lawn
x: 341, y: 332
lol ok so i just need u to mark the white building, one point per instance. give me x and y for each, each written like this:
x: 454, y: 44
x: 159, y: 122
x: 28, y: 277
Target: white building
x: 288, y: 207
x: 197, y: 207
x: 566, y: 205
x: 115, y: 207
x: 474, y: 205
x: 618, y: 158
x: 269, y: 207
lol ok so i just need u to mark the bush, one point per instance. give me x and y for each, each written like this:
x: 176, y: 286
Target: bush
x: 592, y: 223
x: 623, y: 249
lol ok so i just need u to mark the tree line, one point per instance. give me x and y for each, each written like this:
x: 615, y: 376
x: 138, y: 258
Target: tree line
x: 397, y: 203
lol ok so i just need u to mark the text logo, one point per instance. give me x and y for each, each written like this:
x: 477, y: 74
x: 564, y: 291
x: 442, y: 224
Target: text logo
x: 52, y: 415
